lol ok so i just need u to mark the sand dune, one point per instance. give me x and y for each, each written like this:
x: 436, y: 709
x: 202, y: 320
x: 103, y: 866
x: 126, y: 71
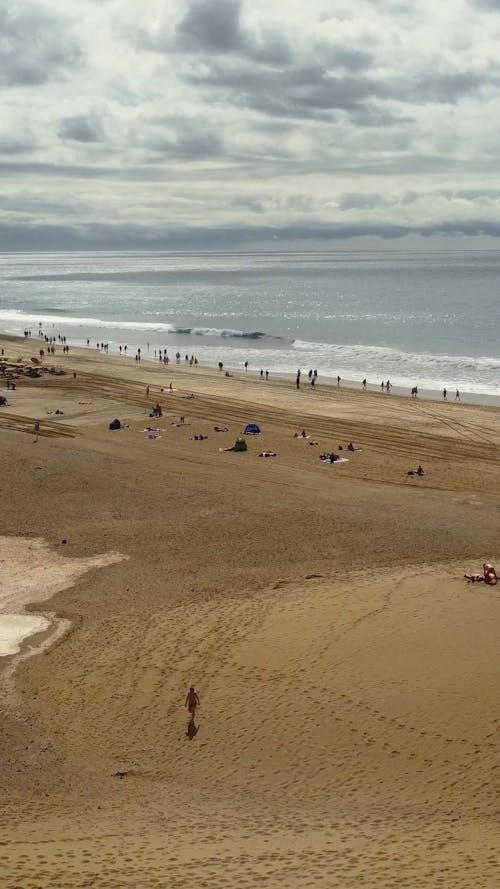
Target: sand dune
x: 348, y: 676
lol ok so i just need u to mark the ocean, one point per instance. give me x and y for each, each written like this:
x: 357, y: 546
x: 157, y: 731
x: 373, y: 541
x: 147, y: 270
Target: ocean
x: 425, y: 319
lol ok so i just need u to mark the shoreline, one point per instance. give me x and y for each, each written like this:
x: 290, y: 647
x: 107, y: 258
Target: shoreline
x: 424, y: 394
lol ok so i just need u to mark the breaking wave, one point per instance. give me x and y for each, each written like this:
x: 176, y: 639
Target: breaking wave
x: 59, y: 317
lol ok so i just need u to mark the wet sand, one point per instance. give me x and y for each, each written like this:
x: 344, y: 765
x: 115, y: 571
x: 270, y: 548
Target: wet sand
x: 348, y: 675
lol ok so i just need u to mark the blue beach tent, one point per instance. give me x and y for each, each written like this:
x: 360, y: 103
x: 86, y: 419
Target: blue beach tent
x: 252, y: 429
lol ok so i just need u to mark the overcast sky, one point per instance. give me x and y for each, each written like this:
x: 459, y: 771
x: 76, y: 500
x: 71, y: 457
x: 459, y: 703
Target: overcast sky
x: 230, y: 123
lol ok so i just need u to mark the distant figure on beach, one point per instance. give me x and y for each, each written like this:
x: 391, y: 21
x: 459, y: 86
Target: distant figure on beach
x: 388, y: 386
x: 36, y: 429
x: 457, y: 396
x: 267, y: 375
x: 297, y: 381
x: 364, y: 383
x: 338, y: 381
x: 192, y: 701
x: 414, y: 392
x: 444, y: 394
x: 246, y: 366
x: 382, y: 385
x: 261, y: 373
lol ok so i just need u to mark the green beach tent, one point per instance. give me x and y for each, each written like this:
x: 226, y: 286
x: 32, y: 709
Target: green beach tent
x: 240, y: 444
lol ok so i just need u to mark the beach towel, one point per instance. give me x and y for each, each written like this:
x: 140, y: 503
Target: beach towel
x: 329, y: 462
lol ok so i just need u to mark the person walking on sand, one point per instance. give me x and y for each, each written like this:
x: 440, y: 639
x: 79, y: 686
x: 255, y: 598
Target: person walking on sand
x: 36, y: 429
x: 192, y: 701
x: 457, y: 396
x: 444, y: 394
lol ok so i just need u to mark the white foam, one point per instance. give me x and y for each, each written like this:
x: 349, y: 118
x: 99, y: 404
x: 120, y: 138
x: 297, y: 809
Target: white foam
x: 30, y: 571
x: 21, y: 319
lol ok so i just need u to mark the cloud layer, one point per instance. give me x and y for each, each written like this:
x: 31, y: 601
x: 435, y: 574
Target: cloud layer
x: 227, y: 123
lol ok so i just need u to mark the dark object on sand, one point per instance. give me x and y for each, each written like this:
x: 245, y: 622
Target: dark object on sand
x: 115, y: 424
x: 252, y: 429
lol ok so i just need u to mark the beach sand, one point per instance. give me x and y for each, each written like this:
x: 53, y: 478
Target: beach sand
x: 348, y: 733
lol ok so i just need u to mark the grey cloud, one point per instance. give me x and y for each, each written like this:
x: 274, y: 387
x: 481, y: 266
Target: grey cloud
x: 201, y: 145
x: 472, y: 194
x: 338, y: 56
x: 215, y: 27
x: 294, y: 203
x: 34, y: 48
x: 183, y: 138
x: 19, y: 237
x: 81, y: 128
x: 491, y: 5
x: 12, y: 146
x: 356, y: 201
x: 308, y: 91
x: 249, y: 203
x: 313, y: 92
x: 439, y: 87
x: 212, y: 25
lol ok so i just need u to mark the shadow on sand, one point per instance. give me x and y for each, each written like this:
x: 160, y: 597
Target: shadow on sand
x: 192, y: 729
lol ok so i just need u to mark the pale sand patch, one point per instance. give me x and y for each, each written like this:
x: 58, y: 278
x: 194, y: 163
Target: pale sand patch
x: 30, y: 572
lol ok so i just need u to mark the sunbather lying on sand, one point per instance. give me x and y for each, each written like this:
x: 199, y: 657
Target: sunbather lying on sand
x: 333, y: 458
x: 199, y: 437
x: 488, y: 576
x: 418, y: 471
x: 221, y: 429
x: 267, y: 454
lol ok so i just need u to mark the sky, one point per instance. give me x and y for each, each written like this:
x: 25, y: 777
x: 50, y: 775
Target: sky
x: 237, y: 124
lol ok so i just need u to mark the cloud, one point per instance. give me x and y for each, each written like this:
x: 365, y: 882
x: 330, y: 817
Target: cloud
x: 81, y: 129
x: 211, y: 25
x: 16, y: 237
x: 492, y: 5
x: 243, y: 120
x: 34, y: 46
x: 15, y: 144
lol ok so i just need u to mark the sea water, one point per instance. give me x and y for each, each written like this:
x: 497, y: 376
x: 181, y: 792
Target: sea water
x: 431, y: 320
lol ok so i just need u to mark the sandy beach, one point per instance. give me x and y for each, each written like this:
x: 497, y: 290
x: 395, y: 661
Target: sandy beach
x: 348, y: 733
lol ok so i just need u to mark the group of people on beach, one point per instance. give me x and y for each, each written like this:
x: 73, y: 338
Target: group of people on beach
x: 161, y: 354
x: 489, y: 575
